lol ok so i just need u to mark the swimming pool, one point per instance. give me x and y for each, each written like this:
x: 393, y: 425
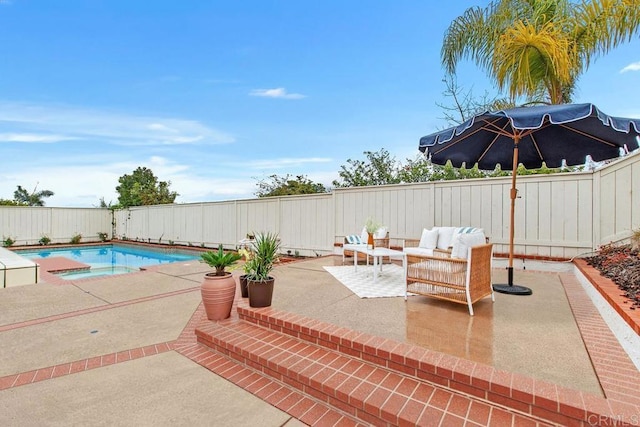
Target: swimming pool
x: 108, y: 260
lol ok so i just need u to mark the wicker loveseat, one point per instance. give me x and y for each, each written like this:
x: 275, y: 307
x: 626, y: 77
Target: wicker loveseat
x: 459, y: 280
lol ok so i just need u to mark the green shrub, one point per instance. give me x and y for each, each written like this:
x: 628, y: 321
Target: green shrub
x: 75, y: 239
x: 44, y: 240
x: 103, y: 236
x: 7, y: 241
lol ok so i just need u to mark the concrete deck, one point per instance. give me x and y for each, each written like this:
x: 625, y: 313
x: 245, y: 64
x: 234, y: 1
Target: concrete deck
x: 102, y: 351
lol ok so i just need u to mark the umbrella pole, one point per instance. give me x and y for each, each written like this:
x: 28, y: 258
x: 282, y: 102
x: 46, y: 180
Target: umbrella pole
x: 510, y: 288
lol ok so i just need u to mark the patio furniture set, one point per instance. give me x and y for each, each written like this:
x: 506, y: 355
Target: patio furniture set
x: 448, y: 263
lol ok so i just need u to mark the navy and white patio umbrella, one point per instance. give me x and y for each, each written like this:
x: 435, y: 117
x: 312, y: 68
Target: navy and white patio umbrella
x: 553, y: 134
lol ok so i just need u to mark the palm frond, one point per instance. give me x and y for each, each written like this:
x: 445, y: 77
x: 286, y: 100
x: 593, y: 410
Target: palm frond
x: 527, y: 57
x: 468, y: 37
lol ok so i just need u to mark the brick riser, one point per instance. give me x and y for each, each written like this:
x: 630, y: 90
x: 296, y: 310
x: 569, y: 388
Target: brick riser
x: 359, y: 391
x: 524, y: 395
x: 383, y: 382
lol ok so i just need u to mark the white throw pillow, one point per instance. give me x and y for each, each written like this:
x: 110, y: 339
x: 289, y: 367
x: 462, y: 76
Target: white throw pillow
x: 429, y: 239
x: 364, y: 236
x: 445, y: 237
x: 463, y: 242
x: 381, y: 233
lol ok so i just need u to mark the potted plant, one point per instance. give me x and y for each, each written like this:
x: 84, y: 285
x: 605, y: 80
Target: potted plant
x: 218, y: 289
x: 371, y: 226
x: 259, y: 282
x: 247, y: 254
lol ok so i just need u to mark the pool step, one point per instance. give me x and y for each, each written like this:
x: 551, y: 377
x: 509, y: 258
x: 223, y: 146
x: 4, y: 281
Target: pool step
x: 376, y: 381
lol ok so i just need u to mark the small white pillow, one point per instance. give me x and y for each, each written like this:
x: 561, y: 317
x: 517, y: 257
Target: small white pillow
x: 445, y: 237
x: 429, y: 239
x: 364, y: 236
x: 381, y: 233
x: 463, y: 242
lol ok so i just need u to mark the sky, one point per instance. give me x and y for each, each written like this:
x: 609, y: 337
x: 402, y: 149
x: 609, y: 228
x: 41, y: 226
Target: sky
x: 216, y: 95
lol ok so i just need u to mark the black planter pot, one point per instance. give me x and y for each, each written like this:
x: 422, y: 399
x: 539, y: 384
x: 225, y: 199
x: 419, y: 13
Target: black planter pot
x: 244, y: 290
x: 260, y: 293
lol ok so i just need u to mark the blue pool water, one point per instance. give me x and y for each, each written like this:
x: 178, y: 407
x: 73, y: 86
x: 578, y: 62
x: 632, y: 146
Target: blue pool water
x: 108, y: 260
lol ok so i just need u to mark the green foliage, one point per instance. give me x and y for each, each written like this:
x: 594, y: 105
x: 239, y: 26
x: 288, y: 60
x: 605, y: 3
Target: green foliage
x: 265, y: 254
x: 380, y: 168
x: 420, y: 169
x: 44, y: 240
x: 276, y: 185
x: 143, y: 188
x: 103, y: 236
x: 104, y: 205
x: 7, y: 241
x: 6, y: 202
x: 220, y: 259
x: 75, y: 239
x: 539, y: 48
x: 35, y: 198
x: 372, y: 225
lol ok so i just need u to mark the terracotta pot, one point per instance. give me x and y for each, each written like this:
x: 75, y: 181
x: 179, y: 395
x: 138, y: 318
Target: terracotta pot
x: 260, y: 293
x: 218, y: 293
x: 244, y: 290
x: 370, y: 240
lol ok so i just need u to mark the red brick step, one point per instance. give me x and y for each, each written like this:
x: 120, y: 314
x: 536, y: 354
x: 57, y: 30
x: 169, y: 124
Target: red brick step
x: 358, y: 389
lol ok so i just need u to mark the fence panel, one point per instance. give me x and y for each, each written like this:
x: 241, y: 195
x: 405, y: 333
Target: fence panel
x: 619, y: 204
x: 27, y: 225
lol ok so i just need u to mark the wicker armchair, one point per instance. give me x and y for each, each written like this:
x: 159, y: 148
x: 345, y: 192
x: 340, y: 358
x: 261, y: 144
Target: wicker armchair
x: 463, y: 281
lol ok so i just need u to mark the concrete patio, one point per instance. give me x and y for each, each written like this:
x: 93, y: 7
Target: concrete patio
x: 120, y: 350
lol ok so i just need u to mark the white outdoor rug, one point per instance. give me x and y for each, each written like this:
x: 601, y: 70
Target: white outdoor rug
x: 390, y: 283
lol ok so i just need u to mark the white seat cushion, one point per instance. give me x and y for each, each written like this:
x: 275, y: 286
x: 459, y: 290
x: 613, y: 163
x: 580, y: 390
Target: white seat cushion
x: 463, y: 242
x: 418, y: 251
x: 429, y: 239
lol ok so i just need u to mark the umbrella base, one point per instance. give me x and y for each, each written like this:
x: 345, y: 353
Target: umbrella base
x: 512, y: 289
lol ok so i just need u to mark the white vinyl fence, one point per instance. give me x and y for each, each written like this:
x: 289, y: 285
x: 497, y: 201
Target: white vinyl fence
x: 560, y: 215
x: 27, y: 225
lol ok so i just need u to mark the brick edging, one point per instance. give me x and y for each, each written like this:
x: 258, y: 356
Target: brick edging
x: 610, y: 292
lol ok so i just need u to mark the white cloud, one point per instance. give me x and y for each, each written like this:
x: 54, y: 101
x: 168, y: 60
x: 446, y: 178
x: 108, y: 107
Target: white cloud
x: 161, y: 127
x: 276, y: 93
x: 33, y: 138
x: 284, y: 162
x: 105, y: 126
x: 634, y: 66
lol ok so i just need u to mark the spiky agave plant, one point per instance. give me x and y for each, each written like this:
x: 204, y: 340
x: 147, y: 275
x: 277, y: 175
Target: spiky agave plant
x: 265, y: 249
x: 220, y: 259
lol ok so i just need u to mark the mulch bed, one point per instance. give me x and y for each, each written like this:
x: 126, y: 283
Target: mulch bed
x: 621, y: 264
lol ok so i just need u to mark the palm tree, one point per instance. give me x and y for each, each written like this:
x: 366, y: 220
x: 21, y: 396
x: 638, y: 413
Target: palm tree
x: 539, y: 48
x: 23, y: 197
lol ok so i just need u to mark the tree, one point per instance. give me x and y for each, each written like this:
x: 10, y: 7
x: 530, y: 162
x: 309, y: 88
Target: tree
x: 539, y: 48
x: 143, y: 188
x: 276, y: 185
x: 104, y: 205
x: 35, y: 198
x: 465, y: 105
x: 6, y: 202
x: 380, y: 168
